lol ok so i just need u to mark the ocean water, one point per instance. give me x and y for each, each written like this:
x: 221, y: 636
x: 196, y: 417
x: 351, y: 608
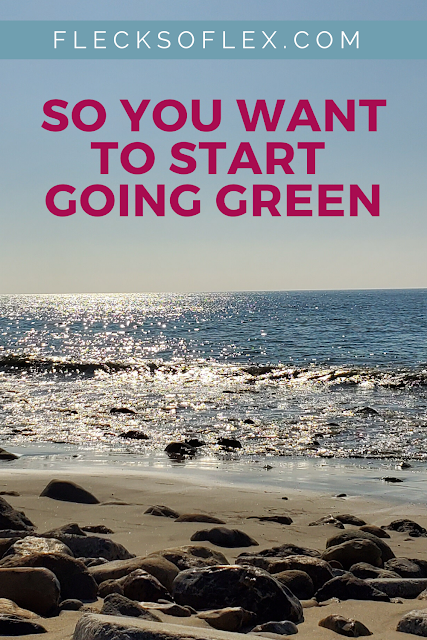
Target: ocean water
x: 320, y: 374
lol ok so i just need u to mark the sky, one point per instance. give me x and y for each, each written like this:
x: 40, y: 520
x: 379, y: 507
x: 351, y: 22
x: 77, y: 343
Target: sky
x: 42, y: 253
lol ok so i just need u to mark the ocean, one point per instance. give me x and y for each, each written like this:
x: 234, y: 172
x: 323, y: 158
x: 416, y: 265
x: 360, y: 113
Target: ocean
x: 320, y: 374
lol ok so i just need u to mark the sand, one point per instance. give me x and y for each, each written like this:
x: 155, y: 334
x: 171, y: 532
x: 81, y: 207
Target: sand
x: 125, y: 495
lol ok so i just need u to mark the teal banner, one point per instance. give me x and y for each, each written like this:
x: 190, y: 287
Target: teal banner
x: 212, y: 40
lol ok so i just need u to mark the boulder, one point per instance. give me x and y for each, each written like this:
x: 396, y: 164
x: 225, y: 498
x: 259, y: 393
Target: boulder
x: 95, y: 547
x: 12, y: 519
x: 199, y: 517
x: 162, y: 511
x: 223, y: 537
x: 7, y: 455
x: 118, y: 605
x: 11, y: 625
x: 74, y: 578
x: 353, y: 551
x: 414, y: 622
x: 364, y: 570
x: 283, y: 551
x: 299, y: 582
x: 228, y: 619
x: 410, y: 527
x: 35, y: 589
x: 327, y: 520
x: 356, y: 534
x: 141, y: 585
x: 348, y: 587
x: 285, y: 628
x: 180, y: 450
x: 72, y: 604
x: 229, y: 443
x: 237, y: 586
x: 345, y: 626
x: 375, y: 531
x: 191, y: 556
x: 30, y: 545
x: 71, y: 529
x: 157, y: 566
x: 108, y: 587
x: 399, y: 587
x: 348, y: 518
x: 405, y: 568
x: 10, y: 608
x: 68, y: 492
x: 318, y: 570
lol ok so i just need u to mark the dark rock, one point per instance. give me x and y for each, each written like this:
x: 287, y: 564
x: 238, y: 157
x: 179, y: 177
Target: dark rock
x: 327, y: 520
x: 199, y: 517
x: 347, y: 518
x: 37, y: 590
x: 94, y: 562
x: 278, y: 519
x: 285, y: 628
x: 345, y: 626
x: 353, y: 551
x: 95, y: 547
x: 123, y: 410
x: 341, y: 495
x: 192, y: 556
x: 318, y: 570
x: 108, y: 587
x: 180, y: 449
x: 236, y: 586
x: 367, y: 411
x: 375, y: 531
x: 348, y: 587
x: 229, y: 443
x: 391, y: 479
x: 223, y: 537
x: 283, y: 551
x: 117, y: 605
x: 228, y: 619
x: 299, y: 582
x: 162, y: 511
x: 141, y: 585
x: 414, y: 622
x: 74, y: 578
x: 68, y: 492
x: 405, y: 568
x: 17, y: 626
x: 356, y: 534
x: 248, y: 421
x: 410, y: 527
x: 12, y: 519
x: 72, y: 529
x: 72, y: 604
x: 97, y: 528
x: 195, y: 442
x: 5, y: 544
x: 399, y: 587
x: 157, y: 566
x: 10, y: 493
x: 364, y: 570
x: 134, y: 435
x: 7, y: 455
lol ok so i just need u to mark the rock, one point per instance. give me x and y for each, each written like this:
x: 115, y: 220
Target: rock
x: 97, y: 528
x: 124, y: 410
x: 30, y: 544
x: 364, y: 570
x: 68, y: 492
x: 157, y: 566
x: 367, y: 411
x: 72, y: 604
x: 191, y: 556
x: 347, y: 518
x: 348, y: 587
x: 170, y: 609
x: 353, y: 551
x: 229, y: 443
x: 341, y: 495
x: 134, y: 435
x: 299, y: 582
x: 35, y: 589
x: 423, y: 595
x: 180, y: 450
x: 414, y: 622
x: 10, y: 608
x: 5, y: 544
x: 12, y: 519
x: 285, y: 628
x: 141, y: 585
x: 410, y: 527
x: 327, y: 520
x: 93, y: 562
x: 405, y: 568
x: 375, y: 531
x: 7, y: 455
x: 391, y: 479
x: 199, y: 517
x: 236, y: 586
x: 95, y: 547
x: 16, y: 626
x: 195, y: 442
x: 117, y: 605
x: 71, y: 529
x: 283, y: 551
x: 162, y: 511
x: 356, y: 534
x: 399, y: 587
x: 345, y: 626
x: 223, y: 537
x: 228, y: 619
x: 108, y: 587
x: 318, y: 570
x: 74, y: 578
x: 278, y: 519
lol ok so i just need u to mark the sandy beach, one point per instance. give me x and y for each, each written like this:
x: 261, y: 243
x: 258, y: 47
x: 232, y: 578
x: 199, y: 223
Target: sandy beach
x: 125, y: 496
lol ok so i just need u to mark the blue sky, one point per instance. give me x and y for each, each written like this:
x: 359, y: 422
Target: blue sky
x: 42, y: 253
